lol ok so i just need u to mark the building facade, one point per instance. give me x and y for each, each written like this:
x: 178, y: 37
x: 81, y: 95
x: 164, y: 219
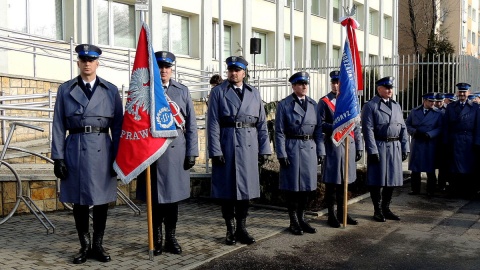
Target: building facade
x: 201, y: 33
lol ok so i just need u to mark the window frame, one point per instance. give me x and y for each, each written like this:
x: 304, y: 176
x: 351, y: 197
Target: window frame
x: 169, y: 41
x: 28, y: 22
x: 111, y: 25
x: 215, y: 41
x: 263, y: 46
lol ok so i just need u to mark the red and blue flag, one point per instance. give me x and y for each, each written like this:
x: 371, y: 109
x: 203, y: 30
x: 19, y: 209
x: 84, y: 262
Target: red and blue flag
x: 148, y: 125
x: 346, y: 113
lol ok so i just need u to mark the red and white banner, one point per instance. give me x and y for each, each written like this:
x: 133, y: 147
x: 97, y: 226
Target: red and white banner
x: 148, y: 125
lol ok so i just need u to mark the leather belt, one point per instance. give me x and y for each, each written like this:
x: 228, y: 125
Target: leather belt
x: 238, y: 125
x: 388, y: 139
x: 300, y: 137
x: 88, y: 129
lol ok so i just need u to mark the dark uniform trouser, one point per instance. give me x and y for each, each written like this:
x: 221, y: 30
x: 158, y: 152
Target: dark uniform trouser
x: 416, y: 182
x: 297, y: 200
x: 334, y: 192
x: 237, y: 209
x: 82, y: 219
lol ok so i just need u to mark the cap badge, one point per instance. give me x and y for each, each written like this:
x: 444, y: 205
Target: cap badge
x: 85, y: 48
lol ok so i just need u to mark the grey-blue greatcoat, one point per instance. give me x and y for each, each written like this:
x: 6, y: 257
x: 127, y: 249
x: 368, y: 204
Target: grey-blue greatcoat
x: 88, y: 157
x: 461, y: 132
x: 423, y: 151
x: 334, y: 165
x: 170, y: 182
x: 238, y: 179
x: 380, y: 122
x: 291, y: 119
x: 440, y: 159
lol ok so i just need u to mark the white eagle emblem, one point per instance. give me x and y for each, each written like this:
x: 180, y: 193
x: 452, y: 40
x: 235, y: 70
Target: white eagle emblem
x: 138, y: 96
x: 85, y: 48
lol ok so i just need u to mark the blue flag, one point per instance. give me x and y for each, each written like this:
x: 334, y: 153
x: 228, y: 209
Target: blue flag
x: 346, y: 107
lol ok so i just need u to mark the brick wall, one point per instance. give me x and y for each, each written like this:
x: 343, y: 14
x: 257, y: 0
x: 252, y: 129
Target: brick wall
x: 14, y: 86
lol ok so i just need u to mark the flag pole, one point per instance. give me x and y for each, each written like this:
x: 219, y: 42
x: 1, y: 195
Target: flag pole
x: 149, y: 215
x: 345, y: 183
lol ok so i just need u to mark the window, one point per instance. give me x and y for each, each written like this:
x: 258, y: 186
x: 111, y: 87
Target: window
x: 177, y: 41
x: 287, y: 45
x: 387, y: 27
x: 360, y: 15
x: 469, y: 11
x: 319, y: 8
x: 227, y: 40
x: 336, y: 10
x: 336, y: 53
x: 45, y: 17
x: 116, y: 24
x: 478, y: 42
x: 261, y: 59
x: 374, y: 23
x: 317, y: 54
x: 473, y: 38
x: 298, y: 4
x: 469, y: 39
x: 474, y: 15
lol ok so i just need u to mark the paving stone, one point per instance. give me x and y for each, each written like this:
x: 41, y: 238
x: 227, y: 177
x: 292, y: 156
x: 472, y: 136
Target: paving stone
x: 24, y: 243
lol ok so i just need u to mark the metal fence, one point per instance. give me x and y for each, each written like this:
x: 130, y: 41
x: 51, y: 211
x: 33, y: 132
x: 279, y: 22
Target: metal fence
x: 414, y: 76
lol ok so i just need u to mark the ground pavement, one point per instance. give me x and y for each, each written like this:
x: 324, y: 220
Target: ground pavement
x: 436, y: 233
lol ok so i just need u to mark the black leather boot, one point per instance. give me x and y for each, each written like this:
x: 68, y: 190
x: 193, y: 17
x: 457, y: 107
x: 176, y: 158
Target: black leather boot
x: 157, y: 240
x: 170, y: 219
x: 350, y: 220
x: 340, y: 202
x: 230, y: 237
x: 241, y: 233
x: 294, y: 225
x: 387, y: 199
x: 303, y: 223
x: 171, y: 244
x: 85, y: 250
x: 376, y: 199
x: 97, y: 249
x: 332, y: 218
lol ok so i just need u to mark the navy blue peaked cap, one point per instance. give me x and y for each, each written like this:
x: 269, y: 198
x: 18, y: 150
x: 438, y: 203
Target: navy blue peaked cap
x: 164, y: 58
x: 334, y: 75
x: 300, y: 77
x: 236, y: 61
x: 429, y: 96
x: 463, y: 86
x: 439, y: 96
x: 88, y: 51
x: 386, y: 81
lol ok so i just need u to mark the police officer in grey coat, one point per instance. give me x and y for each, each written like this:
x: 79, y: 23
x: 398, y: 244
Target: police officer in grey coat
x: 386, y: 143
x: 462, y: 136
x: 237, y: 143
x: 88, y: 107
x: 299, y: 145
x: 171, y: 172
x: 441, y: 162
x: 333, y: 168
x: 424, y: 124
